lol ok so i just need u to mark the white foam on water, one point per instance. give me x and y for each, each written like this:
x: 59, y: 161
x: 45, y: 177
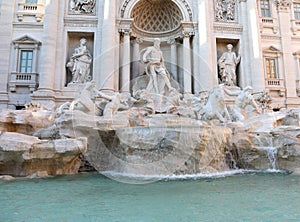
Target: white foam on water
x: 147, y: 178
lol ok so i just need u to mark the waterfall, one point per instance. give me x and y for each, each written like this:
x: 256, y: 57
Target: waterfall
x: 272, y: 156
x: 266, y: 143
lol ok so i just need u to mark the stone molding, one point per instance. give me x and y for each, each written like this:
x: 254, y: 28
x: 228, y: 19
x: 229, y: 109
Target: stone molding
x: 80, y: 22
x: 228, y: 28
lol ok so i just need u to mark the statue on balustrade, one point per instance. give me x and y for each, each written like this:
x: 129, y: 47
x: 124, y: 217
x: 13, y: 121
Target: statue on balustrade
x: 80, y: 63
x: 156, y: 70
x: 227, y: 66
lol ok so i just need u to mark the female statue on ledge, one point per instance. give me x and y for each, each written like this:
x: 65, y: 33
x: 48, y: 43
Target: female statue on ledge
x: 80, y: 63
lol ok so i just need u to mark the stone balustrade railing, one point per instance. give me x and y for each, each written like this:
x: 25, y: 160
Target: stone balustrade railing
x: 269, y: 23
x: 276, y: 85
x: 23, y: 79
x: 35, y: 11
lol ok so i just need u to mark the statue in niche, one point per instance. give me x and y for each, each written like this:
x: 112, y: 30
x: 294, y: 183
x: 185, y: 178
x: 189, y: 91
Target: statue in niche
x: 156, y: 70
x: 225, y: 10
x: 227, y: 66
x: 82, y: 6
x: 80, y: 63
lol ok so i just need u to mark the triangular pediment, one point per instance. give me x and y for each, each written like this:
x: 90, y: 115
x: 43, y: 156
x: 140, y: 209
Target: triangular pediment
x: 271, y: 49
x: 26, y: 40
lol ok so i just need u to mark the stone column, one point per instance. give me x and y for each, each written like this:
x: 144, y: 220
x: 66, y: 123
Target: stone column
x: 187, y: 64
x: 244, y: 79
x: 125, y: 78
x: 196, y: 68
x: 173, y: 44
x: 136, y: 57
x: 288, y: 62
x: 6, y: 20
x: 257, y: 79
x: 48, y: 49
x: 105, y: 53
x: 207, y: 76
x: 117, y: 63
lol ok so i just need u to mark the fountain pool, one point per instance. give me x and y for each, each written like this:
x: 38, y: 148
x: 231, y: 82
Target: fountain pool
x: 247, y: 196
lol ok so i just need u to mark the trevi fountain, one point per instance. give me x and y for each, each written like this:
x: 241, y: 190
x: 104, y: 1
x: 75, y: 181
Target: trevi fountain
x: 220, y: 155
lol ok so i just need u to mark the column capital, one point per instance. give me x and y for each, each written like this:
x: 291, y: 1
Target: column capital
x: 124, y: 26
x: 138, y: 41
x: 172, y: 41
x: 187, y: 33
x: 188, y: 29
x: 125, y: 31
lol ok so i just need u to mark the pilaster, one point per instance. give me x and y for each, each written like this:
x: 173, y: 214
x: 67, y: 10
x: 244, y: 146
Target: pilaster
x: 257, y: 79
x: 106, y: 60
x: 6, y: 20
x: 289, y: 75
x: 207, y: 76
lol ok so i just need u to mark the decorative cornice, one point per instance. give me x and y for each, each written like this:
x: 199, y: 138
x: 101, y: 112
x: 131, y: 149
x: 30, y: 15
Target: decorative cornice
x: 71, y: 21
x: 228, y: 28
x: 270, y: 37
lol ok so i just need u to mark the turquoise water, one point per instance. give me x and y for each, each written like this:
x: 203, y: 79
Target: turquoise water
x: 92, y: 197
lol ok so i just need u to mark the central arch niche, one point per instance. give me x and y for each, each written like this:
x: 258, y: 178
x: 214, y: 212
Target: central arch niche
x: 143, y: 20
x: 156, y: 18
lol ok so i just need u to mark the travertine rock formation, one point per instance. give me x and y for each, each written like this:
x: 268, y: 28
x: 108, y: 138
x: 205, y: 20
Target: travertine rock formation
x: 22, y: 155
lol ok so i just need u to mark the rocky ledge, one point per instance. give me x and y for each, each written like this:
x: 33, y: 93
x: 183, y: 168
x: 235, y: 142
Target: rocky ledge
x: 23, y: 155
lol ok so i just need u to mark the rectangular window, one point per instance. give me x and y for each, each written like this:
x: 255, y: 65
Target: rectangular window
x: 265, y: 8
x: 31, y: 2
x: 26, y: 61
x: 271, y: 68
x: 297, y: 11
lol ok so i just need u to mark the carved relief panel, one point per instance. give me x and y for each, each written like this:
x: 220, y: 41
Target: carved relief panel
x: 83, y: 7
x: 225, y: 10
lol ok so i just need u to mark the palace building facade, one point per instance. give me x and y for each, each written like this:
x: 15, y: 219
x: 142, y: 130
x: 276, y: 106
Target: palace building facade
x: 41, y: 39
